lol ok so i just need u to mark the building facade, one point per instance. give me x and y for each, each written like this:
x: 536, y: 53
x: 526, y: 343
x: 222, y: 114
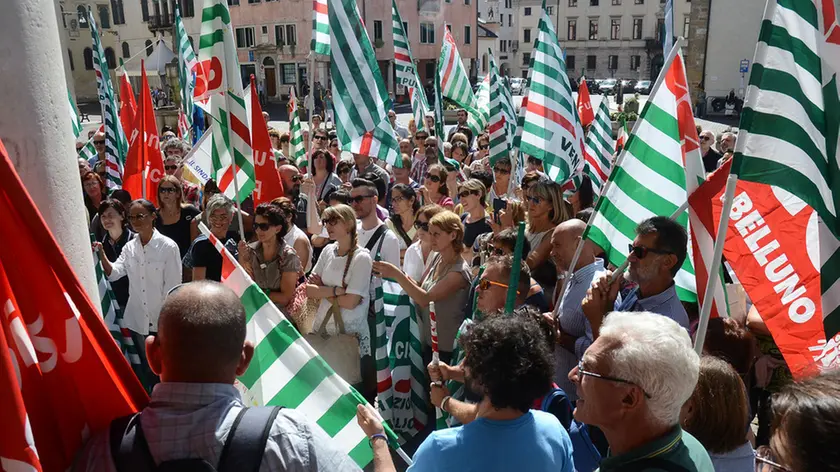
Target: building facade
x: 500, y: 17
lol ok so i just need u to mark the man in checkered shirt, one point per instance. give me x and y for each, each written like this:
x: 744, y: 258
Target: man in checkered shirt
x: 198, y: 352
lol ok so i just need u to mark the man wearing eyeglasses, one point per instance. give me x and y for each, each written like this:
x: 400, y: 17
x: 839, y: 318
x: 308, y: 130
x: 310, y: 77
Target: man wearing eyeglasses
x: 655, y: 256
x: 400, y: 131
x: 574, y: 332
x: 174, y: 150
x: 710, y: 156
x: 422, y: 160
x: 631, y: 383
x: 291, y: 178
x: 99, y: 146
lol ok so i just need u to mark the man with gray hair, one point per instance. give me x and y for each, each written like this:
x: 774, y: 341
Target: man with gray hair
x: 199, y: 350
x: 631, y: 384
x: 174, y: 150
x: 710, y: 156
x: 727, y: 142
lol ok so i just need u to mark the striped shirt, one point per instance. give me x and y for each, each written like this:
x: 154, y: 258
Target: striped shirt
x: 573, y: 321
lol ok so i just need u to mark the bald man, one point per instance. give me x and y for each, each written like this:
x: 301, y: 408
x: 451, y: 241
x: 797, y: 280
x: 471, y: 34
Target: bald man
x: 291, y: 178
x: 574, y: 334
x: 99, y: 145
x: 198, y: 352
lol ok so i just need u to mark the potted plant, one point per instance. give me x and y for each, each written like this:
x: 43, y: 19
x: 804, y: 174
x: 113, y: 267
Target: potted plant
x: 379, y: 43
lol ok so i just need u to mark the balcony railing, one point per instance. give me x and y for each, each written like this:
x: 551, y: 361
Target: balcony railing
x: 161, y: 21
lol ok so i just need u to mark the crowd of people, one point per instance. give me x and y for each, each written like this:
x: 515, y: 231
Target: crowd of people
x: 594, y: 371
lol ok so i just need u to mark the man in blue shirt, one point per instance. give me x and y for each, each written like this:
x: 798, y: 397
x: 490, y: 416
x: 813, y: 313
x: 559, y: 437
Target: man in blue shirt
x: 656, y: 255
x: 510, y: 362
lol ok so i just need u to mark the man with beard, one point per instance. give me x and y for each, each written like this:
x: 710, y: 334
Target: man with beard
x: 656, y: 255
x: 291, y: 178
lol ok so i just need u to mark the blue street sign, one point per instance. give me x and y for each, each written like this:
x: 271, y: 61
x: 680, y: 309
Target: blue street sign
x: 745, y: 66
x: 251, y: 56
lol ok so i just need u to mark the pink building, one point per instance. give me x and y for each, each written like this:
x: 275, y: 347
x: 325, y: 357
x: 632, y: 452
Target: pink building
x: 273, y: 38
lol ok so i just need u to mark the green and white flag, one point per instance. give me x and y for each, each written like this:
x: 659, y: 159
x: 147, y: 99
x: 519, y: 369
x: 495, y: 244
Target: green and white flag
x: 113, y: 317
x: 790, y: 124
x: 502, y: 117
x: 186, y: 62
x: 599, y: 148
x: 548, y: 130
x: 296, y: 149
x: 660, y: 166
x: 406, y: 72
x: 74, y: 116
x: 401, y: 375
x: 455, y: 84
x: 360, y: 99
x: 320, y: 43
x: 286, y: 371
x: 222, y: 87
x: 116, y: 145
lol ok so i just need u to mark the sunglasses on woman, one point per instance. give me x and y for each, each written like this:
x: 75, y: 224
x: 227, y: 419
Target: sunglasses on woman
x: 485, y: 284
x: 434, y: 178
x: 330, y: 221
x: 467, y: 193
x: 263, y: 226
x: 641, y: 252
x: 421, y: 225
x: 172, y: 168
x: 501, y: 170
x: 167, y: 190
x: 492, y: 250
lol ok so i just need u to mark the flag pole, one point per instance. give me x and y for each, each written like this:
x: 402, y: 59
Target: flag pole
x: 720, y: 239
x: 235, y: 169
x: 661, y: 78
x: 310, y: 104
x: 513, y: 284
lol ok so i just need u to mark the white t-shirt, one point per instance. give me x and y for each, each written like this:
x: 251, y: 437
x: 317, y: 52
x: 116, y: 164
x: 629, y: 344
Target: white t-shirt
x: 291, y: 236
x: 330, y: 267
x: 413, y: 263
x: 390, y: 245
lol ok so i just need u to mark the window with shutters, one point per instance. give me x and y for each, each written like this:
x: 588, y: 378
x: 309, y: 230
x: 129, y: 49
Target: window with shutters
x: 187, y: 8
x: 244, y: 37
x: 571, y: 29
x: 285, y: 35
x: 593, y: 28
x: 104, y: 17
x: 637, y: 28
x: 126, y: 51
x: 615, y: 28
x: 612, y: 62
x: 118, y: 12
x: 427, y: 33
x: 289, y: 74
x: 635, y: 62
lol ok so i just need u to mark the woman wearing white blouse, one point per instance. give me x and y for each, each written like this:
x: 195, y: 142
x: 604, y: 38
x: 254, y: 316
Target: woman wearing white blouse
x: 152, y: 263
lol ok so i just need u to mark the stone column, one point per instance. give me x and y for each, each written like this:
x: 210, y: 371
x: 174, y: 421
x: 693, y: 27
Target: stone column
x: 35, y: 127
x: 695, y: 59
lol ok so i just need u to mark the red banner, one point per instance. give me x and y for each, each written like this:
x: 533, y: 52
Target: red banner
x: 584, y: 104
x: 772, y: 244
x: 144, y: 154
x: 73, y: 379
x: 128, y: 106
x: 267, y: 185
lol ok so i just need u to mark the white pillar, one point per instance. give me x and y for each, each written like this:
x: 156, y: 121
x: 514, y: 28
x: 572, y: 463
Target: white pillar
x: 35, y: 127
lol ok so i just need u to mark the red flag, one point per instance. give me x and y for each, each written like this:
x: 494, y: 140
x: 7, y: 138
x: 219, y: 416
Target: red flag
x: 584, y: 104
x: 267, y: 181
x: 73, y: 379
x: 772, y: 245
x: 144, y: 149
x: 128, y: 107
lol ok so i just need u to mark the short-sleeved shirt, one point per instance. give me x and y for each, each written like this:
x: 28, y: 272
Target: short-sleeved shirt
x: 112, y: 252
x: 677, y: 447
x: 474, y: 229
x: 204, y: 254
x: 536, y: 441
x: 180, y: 230
x: 268, y: 273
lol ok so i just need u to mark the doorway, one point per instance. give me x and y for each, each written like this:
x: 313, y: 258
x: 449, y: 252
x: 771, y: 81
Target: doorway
x: 270, y: 82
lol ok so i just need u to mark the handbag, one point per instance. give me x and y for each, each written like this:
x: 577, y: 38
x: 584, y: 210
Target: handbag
x: 340, y: 351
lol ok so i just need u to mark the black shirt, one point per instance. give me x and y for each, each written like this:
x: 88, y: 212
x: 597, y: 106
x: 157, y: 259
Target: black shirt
x: 180, y: 230
x: 710, y: 160
x: 301, y: 204
x: 204, y: 254
x: 112, y: 252
x: 473, y: 230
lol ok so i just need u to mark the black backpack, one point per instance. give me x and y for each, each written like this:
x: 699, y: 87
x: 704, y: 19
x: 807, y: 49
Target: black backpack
x: 243, y: 450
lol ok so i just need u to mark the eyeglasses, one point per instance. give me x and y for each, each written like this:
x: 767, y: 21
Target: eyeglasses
x: 493, y: 250
x: 501, y: 170
x: 467, y: 193
x: 218, y: 217
x: 582, y: 373
x: 263, y: 226
x: 485, y: 284
x: 764, y: 457
x: 534, y: 200
x: 434, y: 178
x: 170, y: 167
x: 705, y: 138
x: 359, y: 199
x: 138, y: 217
x: 397, y: 199
x: 297, y: 178
x: 483, y: 146
x: 330, y: 221
x: 321, y: 138
x: 641, y: 252
x: 420, y: 137
x: 99, y: 142
x: 167, y: 190
x: 421, y: 225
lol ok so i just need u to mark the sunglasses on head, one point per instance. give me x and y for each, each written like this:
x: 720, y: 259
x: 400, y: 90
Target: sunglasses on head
x: 434, y: 178
x: 501, y: 170
x: 467, y: 193
x: 167, y: 189
x: 171, y: 167
x: 421, y: 225
x: 485, y: 284
x: 641, y: 252
x: 359, y: 199
x: 262, y: 226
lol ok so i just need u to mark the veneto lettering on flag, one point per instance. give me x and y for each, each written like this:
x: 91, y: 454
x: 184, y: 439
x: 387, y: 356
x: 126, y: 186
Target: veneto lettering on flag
x: 773, y: 246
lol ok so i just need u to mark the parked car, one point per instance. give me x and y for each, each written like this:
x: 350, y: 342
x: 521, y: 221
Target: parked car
x: 592, y: 85
x: 643, y: 87
x: 628, y: 84
x: 607, y: 87
x: 517, y: 84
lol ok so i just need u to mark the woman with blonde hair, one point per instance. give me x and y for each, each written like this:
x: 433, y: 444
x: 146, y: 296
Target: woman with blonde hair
x: 546, y: 209
x: 418, y: 255
x: 342, y: 275
x: 446, y: 282
x: 174, y: 219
